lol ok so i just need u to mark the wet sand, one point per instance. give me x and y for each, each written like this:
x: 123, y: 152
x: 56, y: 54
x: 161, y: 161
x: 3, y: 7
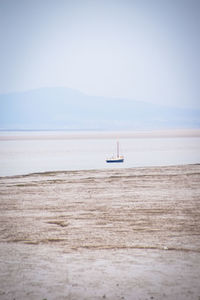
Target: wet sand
x: 101, y: 234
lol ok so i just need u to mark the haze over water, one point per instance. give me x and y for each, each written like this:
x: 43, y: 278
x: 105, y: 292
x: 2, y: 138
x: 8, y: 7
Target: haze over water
x: 29, y: 152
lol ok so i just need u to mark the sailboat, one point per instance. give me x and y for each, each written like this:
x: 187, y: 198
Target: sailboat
x: 116, y: 159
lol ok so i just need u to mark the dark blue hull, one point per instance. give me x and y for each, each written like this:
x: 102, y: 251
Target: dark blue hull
x: 114, y: 160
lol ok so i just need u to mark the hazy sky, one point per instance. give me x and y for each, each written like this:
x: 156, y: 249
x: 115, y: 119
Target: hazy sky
x: 141, y: 49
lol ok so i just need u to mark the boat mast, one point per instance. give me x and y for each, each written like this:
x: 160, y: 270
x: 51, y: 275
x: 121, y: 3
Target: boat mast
x: 117, y: 149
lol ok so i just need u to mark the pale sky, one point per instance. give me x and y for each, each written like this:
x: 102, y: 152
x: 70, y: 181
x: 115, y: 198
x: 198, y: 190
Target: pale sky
x: 146, y: 50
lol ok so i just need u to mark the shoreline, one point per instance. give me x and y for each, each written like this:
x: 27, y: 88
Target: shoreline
x: 68, y: 135
x: 46, y: 173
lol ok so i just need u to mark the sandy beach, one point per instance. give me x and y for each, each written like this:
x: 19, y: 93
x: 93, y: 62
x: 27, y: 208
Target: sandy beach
x: 101, y: 234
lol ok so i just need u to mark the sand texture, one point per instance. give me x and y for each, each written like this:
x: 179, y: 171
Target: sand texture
x: 101, y: 234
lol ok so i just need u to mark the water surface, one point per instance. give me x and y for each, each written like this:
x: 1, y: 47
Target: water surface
x: 28, y: 152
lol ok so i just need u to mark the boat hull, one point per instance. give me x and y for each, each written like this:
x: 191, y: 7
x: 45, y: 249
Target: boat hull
x: 121, y: 160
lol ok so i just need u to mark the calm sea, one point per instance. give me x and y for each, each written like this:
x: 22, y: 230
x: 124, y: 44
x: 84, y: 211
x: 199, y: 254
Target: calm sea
x: 29, y: 152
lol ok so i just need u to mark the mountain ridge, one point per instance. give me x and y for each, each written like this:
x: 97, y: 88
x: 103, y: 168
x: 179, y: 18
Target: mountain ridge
x: 69, y: 109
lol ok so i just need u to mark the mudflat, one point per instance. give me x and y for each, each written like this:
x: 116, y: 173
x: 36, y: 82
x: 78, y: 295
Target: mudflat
x: 101, y: 234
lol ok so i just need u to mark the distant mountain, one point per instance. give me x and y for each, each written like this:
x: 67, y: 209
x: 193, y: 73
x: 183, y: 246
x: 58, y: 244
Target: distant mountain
x: 63, y: 108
